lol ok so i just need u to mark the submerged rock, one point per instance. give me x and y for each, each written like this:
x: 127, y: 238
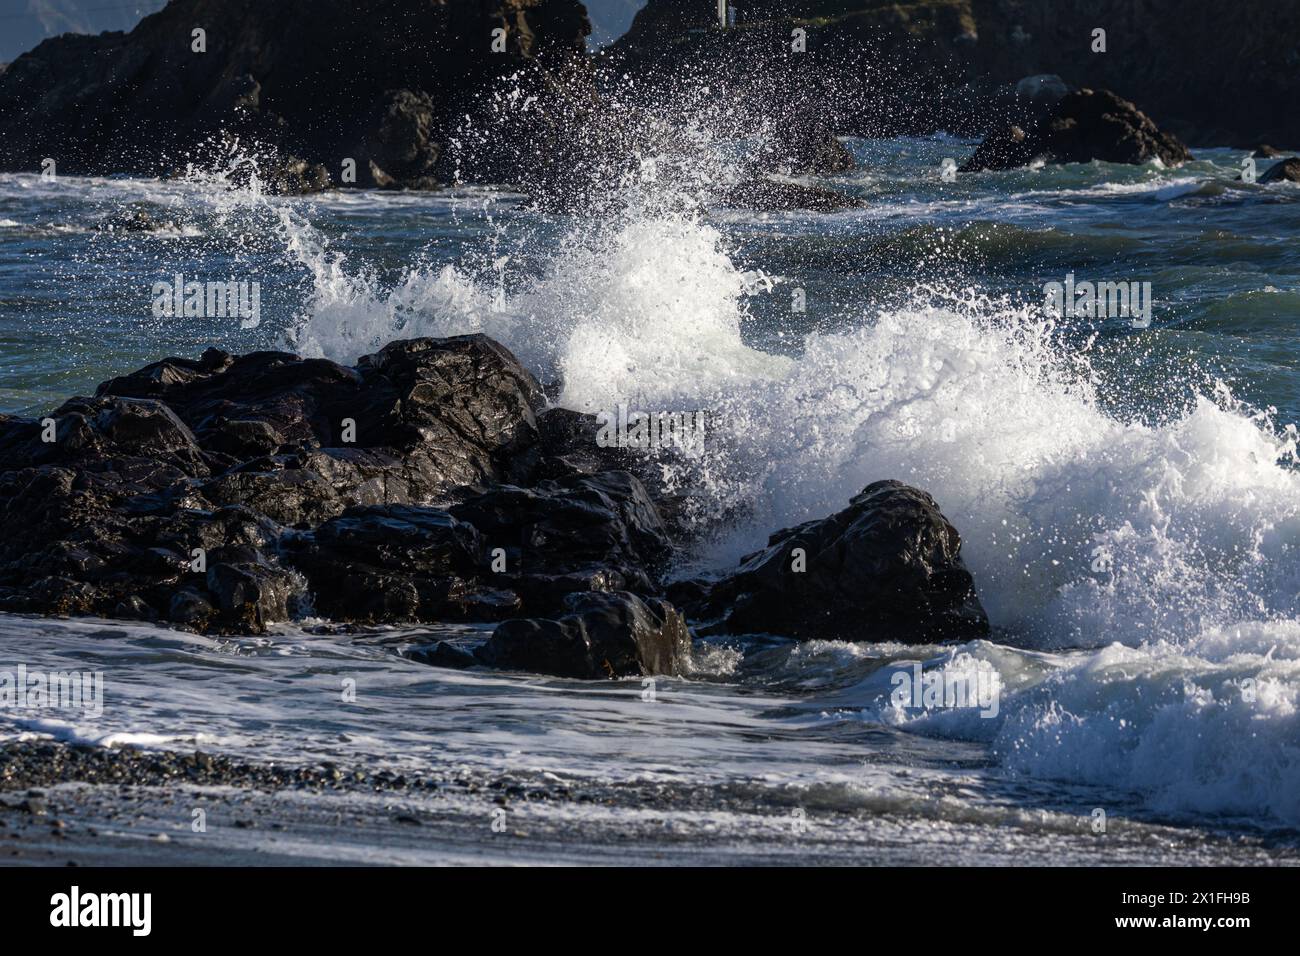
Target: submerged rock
x: 888, y: 567
x: 1288, y: 170
x: 768, y: 194
x: 807, y: 148
x: 602, y: 636
x: 1081, y: 127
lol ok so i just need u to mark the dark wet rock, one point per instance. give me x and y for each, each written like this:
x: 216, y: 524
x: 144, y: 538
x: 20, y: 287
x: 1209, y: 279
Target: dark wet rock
x: 303, y: 400
x: 888, y: 567
x: 252, y: 593
x: 1288, y: 170
x: 229, y: 493
x: 100, y: 431
x: 1082, y: 127
x: 567, y: 445
x: 767, y: 194
x: 413, y: 420
x: 396, y: 563
x: 443, y: 654
x: 106, y: 519
x: 95, y: 543
x: 805, y: 149
x: 1007, y: 148
x: 1264, y: 151
x: 242, y: 439
x: 493, y: 555
x: 133, y: 221
x: 290, y: 496
x: 170, y: 492
x: 461, y: 407
x: 134, y: 606
x: 190, y: 607
x: 582, y: 533
x: 402, y: 144
x: 605, y: 635
x: 290, y: 176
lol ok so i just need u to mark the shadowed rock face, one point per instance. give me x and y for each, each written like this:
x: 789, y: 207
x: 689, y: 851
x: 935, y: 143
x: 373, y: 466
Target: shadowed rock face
x: 383, y: 83
x: 1082, y: 127
x: 506, y: 552
x: 806, y: 148
x: 888, y: 567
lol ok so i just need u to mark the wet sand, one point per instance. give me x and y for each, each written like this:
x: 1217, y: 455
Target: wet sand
x: 69, y: 805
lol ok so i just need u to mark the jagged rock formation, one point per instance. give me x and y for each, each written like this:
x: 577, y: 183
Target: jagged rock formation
x: 427, y: 483
x: 1082, y: 127
x: 887, y: 567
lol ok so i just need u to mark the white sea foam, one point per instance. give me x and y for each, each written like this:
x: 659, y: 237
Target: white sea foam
x: 1169, y: 552
x: 1080, y: 527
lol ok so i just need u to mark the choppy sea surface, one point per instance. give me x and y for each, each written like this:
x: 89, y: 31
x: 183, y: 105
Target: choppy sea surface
x: 1129, y: 497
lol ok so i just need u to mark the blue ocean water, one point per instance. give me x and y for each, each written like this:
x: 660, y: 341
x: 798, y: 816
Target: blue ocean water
x: 1129, y: 497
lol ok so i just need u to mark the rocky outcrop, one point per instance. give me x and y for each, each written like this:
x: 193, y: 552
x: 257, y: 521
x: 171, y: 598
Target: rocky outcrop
x: 411, y: 421
x: 170, y: 493
x: 306, y: 85
x: 596, y: 636
x: 602, y: 635
x: 427, y: 483
x: 888, y: 567
x: 583, y: 533
x: 1082, y: 127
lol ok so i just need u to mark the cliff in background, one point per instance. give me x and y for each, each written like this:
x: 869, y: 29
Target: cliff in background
x: 414, y: 93
x: 385, y: 83
x: 1214, y: 73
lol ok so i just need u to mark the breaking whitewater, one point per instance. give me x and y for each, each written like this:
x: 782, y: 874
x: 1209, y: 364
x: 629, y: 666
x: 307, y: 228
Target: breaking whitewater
x: 1132, y: 524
